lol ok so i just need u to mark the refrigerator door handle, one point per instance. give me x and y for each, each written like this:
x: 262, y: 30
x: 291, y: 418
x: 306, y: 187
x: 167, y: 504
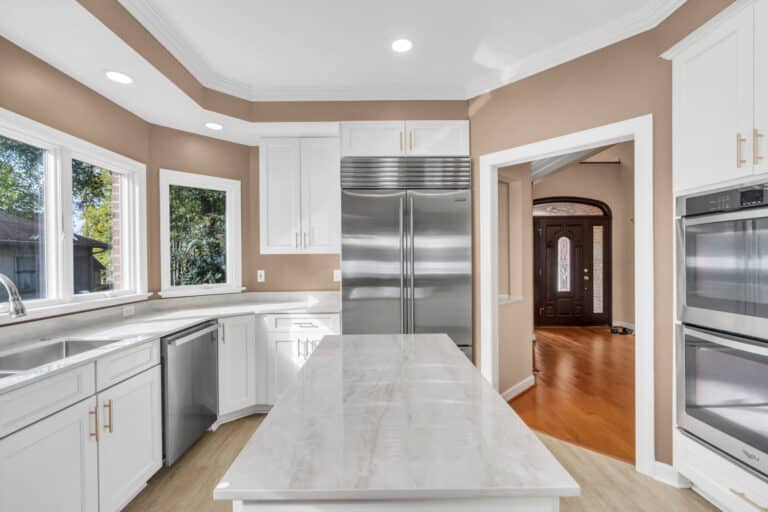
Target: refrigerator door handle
x: 412, y: 270
x: 403, y: 328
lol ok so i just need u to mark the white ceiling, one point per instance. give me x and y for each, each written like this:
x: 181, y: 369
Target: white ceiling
x: 340, y: 49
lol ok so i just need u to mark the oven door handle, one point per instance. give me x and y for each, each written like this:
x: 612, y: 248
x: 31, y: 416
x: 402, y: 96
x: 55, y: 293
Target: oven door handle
x: 735, y: 345
x: 726, y: 217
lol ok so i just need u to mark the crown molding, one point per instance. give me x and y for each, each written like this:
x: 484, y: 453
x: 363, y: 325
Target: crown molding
x: 647, y: 18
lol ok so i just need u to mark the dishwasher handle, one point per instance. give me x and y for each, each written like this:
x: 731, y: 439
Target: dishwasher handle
x: 193, y: 336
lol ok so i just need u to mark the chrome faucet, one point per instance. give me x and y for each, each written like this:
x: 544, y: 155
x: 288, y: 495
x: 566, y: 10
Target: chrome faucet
x: 15, y: 305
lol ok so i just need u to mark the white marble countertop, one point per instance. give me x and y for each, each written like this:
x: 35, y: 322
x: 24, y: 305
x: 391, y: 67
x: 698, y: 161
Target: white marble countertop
x: 392, y: 417
x: 151, y: 326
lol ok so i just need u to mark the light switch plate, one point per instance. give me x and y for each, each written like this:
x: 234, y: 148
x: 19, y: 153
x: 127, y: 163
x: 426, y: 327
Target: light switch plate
x: 337, y: 276
x: 260, y: 276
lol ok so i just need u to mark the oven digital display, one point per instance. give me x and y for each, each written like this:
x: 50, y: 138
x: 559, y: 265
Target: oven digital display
x: 754, y: 196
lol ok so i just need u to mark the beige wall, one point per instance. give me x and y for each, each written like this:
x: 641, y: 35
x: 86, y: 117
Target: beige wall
x: 622, y: 81
x: 516, y: 317
x: 613, y: 185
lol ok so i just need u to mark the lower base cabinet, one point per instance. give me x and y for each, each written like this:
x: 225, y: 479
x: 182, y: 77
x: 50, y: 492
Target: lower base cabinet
x: 52, y: 464
x: 131, y: 438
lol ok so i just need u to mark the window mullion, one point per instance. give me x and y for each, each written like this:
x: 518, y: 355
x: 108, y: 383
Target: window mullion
x: 66, y: 265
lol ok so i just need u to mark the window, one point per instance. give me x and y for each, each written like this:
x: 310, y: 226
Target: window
x: 563, y: 264
x: 72, y: 221
x: 200, y: 234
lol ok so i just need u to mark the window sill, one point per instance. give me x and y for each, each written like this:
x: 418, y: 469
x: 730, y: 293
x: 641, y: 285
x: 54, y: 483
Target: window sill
x: 38, y: 312
x: 194, y: 291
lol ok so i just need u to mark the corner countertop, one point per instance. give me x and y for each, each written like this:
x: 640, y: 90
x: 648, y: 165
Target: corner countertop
x: 387, y: 417
x: 151, y: 326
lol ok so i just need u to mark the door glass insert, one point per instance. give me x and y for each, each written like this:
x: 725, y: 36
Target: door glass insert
x: 563, y: 264
x: 597, y: 269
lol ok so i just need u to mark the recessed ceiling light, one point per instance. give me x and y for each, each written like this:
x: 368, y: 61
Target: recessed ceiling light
x: 402, y: 45
x: 118, y: 77
x: 214, y: 126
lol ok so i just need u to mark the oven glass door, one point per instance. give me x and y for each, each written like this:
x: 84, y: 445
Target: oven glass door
x: 726, y: 386
x: 718, y: 250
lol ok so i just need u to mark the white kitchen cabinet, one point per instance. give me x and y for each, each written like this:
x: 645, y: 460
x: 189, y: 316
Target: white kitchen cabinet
x: 713, y: 104
x: 52, y: 464
x: 299, y: 196
x: 405, y: 138
x: 760, y: 135
x: 130, y: 438
x: 437, y: 138
x: 237, y: 364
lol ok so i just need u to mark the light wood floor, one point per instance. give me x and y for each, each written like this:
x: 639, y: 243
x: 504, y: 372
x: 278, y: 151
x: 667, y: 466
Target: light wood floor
x: 585, y: 389
x: 606, y: 483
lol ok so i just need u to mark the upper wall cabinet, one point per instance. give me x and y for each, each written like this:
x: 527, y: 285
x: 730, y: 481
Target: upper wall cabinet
x: 299, y: 196
x: 717, y: 97
x: 405, y: 138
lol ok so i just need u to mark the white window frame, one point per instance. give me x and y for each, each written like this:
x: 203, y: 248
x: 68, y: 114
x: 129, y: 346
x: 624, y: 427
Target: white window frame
x: 233, y: 233
x: 59, y: 283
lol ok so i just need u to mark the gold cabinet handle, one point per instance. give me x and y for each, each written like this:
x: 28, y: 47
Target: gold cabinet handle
x: 108, y: 426
x: 306, y: 240
x: 95, y: 414
x: 410, y: 140
x: 401, y: 141
x: 746, y: 498
x: 756, y: 145
x: 739, y: 146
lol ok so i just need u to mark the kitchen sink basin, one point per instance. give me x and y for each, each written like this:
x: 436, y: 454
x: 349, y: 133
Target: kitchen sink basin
x: 33, y: 357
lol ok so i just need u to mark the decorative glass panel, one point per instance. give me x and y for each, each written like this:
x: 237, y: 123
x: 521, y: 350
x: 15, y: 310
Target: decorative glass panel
x: 563, y: 264
x: 96, y: 228
x: 198, y: 235
x: 597, y: 269
x: 559, y: 209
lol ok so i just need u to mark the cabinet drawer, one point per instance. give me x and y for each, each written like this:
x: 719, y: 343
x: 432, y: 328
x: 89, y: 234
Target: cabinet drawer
x: 28, y: 404
x: 720, y: 480
x: 117, y: 367
x: 303, y: 323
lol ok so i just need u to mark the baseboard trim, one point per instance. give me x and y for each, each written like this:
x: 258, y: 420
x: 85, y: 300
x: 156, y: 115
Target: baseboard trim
x: 518, y: 388
x: 621, y: 323
x: 242, y: 413
x: 670, y: 476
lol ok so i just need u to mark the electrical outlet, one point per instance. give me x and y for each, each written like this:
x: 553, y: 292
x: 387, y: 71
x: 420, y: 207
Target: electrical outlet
x: 337, y: 276
x: 129, y: 311
x: 260, y: 276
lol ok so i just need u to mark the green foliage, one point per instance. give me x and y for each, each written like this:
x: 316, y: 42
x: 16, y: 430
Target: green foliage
x: 197, y: 236
x: 92, y: 205
x: 21, y: 179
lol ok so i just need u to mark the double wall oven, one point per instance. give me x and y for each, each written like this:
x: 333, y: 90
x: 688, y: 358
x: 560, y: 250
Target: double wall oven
x: 722, y: 364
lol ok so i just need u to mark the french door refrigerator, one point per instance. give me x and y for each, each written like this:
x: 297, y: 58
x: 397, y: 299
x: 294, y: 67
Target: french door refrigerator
x: 407, y: 247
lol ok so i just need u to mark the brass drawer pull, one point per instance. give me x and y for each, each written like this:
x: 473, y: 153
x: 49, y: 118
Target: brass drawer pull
x: 746, y: 498
x: 739, y: 150
x: 756, y: 146
x: 108, y: 406
x: 95, y: 414
x: 411, y: 140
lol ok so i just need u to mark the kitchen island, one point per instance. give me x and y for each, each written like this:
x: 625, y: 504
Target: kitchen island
x: 393, y: 422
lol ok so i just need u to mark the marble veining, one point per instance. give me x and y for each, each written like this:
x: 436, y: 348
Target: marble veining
x: 387, y: 417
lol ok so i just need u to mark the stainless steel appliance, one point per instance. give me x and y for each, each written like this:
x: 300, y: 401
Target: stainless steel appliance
x: 723, y: 260
x: 723, y: 393
x: 407, y: 247
x: 190, y: 387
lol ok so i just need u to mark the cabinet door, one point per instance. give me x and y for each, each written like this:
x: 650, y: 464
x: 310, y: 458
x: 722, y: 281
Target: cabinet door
x: 130, y: 444
x: 373, y: 138
x: 288, y: 358
x: 52, y: 464
x: 761, y: 86
x: 320, y: 196
x: 437, y: 138
x: 237, y: 364
x: 713, y: 95
x: 280, y: 196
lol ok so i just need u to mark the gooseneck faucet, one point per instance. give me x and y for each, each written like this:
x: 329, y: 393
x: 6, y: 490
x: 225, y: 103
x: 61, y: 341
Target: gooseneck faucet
x: 15, y: 305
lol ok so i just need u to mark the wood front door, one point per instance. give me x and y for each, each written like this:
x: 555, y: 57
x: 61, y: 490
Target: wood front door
x: 568, y: 272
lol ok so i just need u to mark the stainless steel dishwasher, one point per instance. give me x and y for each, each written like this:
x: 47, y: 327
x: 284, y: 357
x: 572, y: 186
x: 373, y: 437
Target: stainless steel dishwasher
x: 190, y: 387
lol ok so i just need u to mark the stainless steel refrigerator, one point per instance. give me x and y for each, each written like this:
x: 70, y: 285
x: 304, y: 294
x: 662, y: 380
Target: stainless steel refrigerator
x: 406, y: 255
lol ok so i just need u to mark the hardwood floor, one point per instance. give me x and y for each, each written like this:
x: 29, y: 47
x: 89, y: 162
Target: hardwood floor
x: 606, y: 484
x: 187, y: 486
x: 585, y: 389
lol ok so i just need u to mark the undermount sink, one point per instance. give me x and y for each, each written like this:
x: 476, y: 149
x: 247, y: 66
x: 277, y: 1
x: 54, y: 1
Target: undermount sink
x: 44, y: 354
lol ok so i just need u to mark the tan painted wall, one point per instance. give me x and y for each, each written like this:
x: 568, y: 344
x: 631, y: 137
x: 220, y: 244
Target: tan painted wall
x: 516, y: 317
x: 613, y: 185
x: 622, y: 81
